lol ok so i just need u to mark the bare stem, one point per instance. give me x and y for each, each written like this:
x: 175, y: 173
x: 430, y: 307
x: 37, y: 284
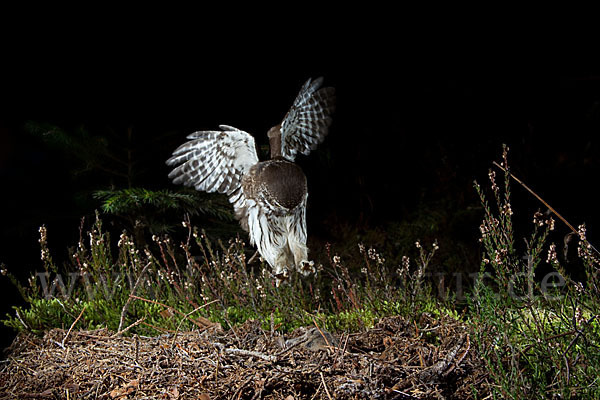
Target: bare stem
x: 72, y: 325
x: 542, y: 201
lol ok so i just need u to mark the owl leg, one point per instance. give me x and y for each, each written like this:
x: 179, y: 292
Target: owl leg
x: 283, y: 263
x: 269, y: 237
x: 300, y: 252
x: 296, y: 227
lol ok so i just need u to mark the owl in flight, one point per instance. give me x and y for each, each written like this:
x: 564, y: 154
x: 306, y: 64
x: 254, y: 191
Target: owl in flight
x: 269, y: 197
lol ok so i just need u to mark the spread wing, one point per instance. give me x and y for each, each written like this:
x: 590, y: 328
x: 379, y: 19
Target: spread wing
x: 307, y: 122
x: 214, y: 161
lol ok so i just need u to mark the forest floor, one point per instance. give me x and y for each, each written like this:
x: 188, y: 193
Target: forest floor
x: 393, y: 360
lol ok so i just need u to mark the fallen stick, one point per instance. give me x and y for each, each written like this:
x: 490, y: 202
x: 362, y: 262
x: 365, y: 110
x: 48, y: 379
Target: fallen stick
x: 325, y: 385
x: 243, y: 352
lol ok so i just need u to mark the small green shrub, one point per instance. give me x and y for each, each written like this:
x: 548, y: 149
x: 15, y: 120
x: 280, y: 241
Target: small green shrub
x: 538, y: 341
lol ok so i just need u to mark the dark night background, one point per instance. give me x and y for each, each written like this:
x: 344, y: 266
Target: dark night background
x: 414, y: 125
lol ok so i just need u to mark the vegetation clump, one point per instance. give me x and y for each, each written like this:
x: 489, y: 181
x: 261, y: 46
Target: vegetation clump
x: 533, y: 327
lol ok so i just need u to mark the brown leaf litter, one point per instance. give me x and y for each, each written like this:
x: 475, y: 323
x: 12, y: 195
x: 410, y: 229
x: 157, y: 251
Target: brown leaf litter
x: 397, y: 359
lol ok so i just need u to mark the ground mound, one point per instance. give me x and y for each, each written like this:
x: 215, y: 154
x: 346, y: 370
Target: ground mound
x: 396, y: 359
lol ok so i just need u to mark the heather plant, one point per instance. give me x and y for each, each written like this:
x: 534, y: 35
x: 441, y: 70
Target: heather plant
x: 195, y: 282
x: 362, y: 294
x: 539, y: 337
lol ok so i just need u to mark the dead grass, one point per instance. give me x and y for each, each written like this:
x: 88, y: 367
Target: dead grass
x: 394, y: 360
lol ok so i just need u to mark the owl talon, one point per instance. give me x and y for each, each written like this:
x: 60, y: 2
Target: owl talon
x: 307, y: 267
x: 280, y: 277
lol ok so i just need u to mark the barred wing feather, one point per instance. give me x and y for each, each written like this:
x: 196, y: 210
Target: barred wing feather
x: 307, y: 122
x: 214, y: 161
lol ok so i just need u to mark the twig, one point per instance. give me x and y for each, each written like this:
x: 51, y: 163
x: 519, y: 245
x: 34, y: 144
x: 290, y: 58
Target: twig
x: 401, y: 393
x: 63, y: 306
x: 137, y: 347
x: 341, y: 351
x: 21, y: 320
x: 543, y: 202
x: 238, y: 393
x: 136, y: 323
x: 186, y: 317
x: 579, y: 333
x: 567, y: 366
x: 155, y: 302
x: 166, y: 306
x: 72, y: 325
x: 124, y: 310
x: 243, y: 352
x: 158, y: 328
x: 547, y: 339
x: 251, y: 259
x: 314, y: 396
x: 322, y: 334
x: 89, y: 335
x: 325, y: 385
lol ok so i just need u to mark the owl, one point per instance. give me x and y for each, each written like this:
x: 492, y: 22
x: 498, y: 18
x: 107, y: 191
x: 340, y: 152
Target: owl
x: 268, y: 197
